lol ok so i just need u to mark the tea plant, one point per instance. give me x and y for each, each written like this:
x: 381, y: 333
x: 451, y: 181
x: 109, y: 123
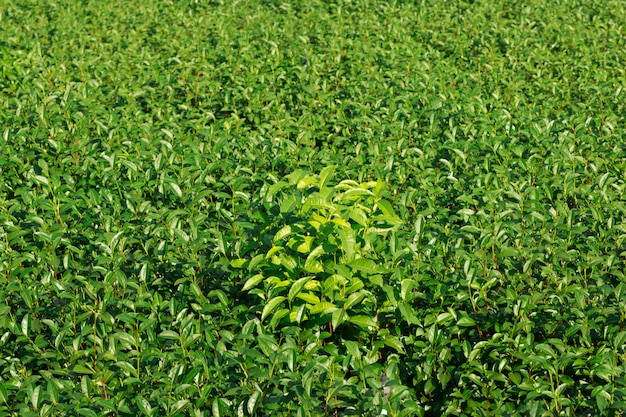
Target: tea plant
x: 312, y: 208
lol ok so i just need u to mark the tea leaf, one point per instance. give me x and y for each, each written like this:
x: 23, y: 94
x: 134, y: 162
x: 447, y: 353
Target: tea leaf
x: 253, y: 402
x: 363, y: 321
x: 271, y: 305
x: 325, y: 175
x: 394, y: 343
x: 365, y: 265
x: 4, y: 396
x: 297, y: 286
x: 252, y: 282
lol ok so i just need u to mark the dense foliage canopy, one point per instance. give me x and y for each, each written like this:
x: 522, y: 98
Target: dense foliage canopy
x: 312, y: 208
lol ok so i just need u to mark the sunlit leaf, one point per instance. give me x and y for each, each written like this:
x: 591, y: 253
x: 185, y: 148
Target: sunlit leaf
x: 297, y: 286
x: 365, y: 265
x: 252, y: 282
x: 271, y: 305
x: 363, y: 321
x: 253, y: 401
x: 322, y: 307
x: 394, y: 343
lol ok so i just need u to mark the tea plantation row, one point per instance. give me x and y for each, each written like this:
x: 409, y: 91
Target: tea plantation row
x: 312, y: 208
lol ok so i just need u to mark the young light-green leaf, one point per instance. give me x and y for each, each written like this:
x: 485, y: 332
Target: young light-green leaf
x: 338, y: 317
x: 312, y: 265
x: 252, y: 282
x: 253, y: 402
x: 325, y: 175
x: 315, y: 202
x: 271, y: 305
x: 466, y: 321
x: 4, y: 396
x: 363, y: 321
x: 394, y: 342
x: 176, y: 189
x: 144, y: 405
x: 322, y: 307
x: 282, y: 233
x: 365, y: 265
x: 297, y: 286
x: 348, y: 243
x: 354, y: 299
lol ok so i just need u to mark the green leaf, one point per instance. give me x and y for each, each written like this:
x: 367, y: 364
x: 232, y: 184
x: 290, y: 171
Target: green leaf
x: 4, y: 396
x: 365, y: 265
x: 169, y: 335
x: 341, y: 222
x: 507, y: 251
x: 308, y: 297
x: 176, y: 189
x: 253, y: 402
x: 304, y: 244
x: 354, y: 194
x: 354, y: 299
x: 299, y: 314
x: 271, y: 305
x: 376, y: 280
x: 603, y: 399
x: 338, y: 317
x: 126, y: 337
x: 256, y: 261
x: 322, y: 307
x: 394, y: 342
x: 297, y: 286
x: 288, y: 262
x: 178, y: 406
x: 220, y: 408
x: 406, y: 286
x: 535, y: 409
x: 82, y: 369
x: 466, y: 212
x: 466, y: 321
x: 288, y: 204
x: 238, y: 263
x: 252, y: 282
x: 25, y: 325
x: 363, y: 321
x: 317, y: 203
x: 353, y: 348
x: 348, y: 243
x: 277, y: 316
x: 442, y: 318
x: 53, y: 326
x: 389, y: 214
x: 325, y: 175
x: 619, y: 341
x: 282, y: 233
x: 358, y: 216
x: 34, y: 399
x: 407, y: 313
x: 107, y: 405
x: 515, y: 377
x: 273, y: 189
x: 87, y: 412
x: 126, y: 367
x: 470, y: 229
x: 312, y: 265
x: 144, y: 405
x: 306, y: 182
x: 273, y: 251
x: 40, y: 179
